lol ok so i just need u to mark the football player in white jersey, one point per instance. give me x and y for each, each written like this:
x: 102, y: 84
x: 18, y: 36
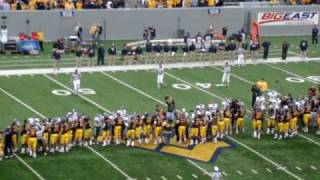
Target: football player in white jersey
x: 160, y: 76
x: 75, y: 78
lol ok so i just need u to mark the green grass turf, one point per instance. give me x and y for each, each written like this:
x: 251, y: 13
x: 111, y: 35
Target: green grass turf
x: 36, y: 92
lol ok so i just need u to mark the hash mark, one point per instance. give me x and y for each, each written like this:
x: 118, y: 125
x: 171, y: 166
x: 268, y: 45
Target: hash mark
x: 195, y: 176
x: 313, y: 167
x: 298, y: 168
x: 239, y: 172
x: 269, y: 170
x: 179, y: 177
x: 224, y: 173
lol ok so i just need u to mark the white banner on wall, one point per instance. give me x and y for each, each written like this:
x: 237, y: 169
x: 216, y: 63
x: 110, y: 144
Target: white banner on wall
x: 288, y: 18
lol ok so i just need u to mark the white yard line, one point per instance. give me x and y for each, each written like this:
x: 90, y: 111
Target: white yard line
x: 42, y: 116
x: 109, y: 162
x: 252, y: 83
x: 203, y: 170
x: 291, y: 73
x: 36, y: 112
x: 29, y: 167
x: 33, y: 110
x: 234, y: 140
x: 199, y: 167
x: 81, y: 96
x: 154, y: 99
x: 22, y: 103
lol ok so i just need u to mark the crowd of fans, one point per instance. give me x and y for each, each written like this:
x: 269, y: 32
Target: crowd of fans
x: 107, y: 4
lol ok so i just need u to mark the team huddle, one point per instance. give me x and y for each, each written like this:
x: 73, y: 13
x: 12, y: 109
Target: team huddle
x: 210, y: 123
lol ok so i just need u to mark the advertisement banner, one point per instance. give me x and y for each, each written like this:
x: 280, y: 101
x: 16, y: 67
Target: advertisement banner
x: 30, y: 47
x: 255, y: 32
x: 288, y: 18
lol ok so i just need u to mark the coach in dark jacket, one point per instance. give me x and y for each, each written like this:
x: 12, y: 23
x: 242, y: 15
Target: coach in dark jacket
x: 285, y: 47
x: 101, y: 52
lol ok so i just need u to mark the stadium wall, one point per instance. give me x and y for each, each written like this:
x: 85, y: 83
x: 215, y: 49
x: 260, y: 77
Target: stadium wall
x: 128, y: 24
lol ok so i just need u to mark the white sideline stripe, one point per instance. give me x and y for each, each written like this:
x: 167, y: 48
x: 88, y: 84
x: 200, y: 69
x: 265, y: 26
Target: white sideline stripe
x: 239, y: 172
x: 250, y: 82
x: 313, y: 167
x: 29, y: 167
x: 81, y: 96
x: 195, y: 176
x: 291, y: 73
x: 109, y: 162
x: 238, y: 142
x: 254, y: 171
x: 22, y: 103
x: 139, y: 66
x: 298, y: 168
x: 163, y: 178
x: 269, y: 170
x: 224, y: 173
x: 179, y: 177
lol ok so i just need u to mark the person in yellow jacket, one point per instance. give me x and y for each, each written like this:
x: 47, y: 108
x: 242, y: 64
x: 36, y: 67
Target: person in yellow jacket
x: 262, y: 85
x: 211, y: 3
x: 1, y: 145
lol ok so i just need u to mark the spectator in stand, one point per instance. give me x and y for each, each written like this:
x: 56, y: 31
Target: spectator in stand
x: 69, y: 5
x: 6, y: 6
x: 41, y: 39
x: 109, y: 4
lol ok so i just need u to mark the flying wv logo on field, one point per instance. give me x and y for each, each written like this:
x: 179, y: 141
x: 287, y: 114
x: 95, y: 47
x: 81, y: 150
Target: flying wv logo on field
x: 205, y: 152
x: 288, y: 18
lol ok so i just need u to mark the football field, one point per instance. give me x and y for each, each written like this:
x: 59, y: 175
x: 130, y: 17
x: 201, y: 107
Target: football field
x: 107, y: 89
x: 49, y: 95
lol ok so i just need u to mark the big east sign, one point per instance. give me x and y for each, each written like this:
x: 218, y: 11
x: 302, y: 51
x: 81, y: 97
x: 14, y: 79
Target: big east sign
x: 288, y: 18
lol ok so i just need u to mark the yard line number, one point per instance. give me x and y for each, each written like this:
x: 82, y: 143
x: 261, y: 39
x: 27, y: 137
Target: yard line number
x: 63, y: 92
x: 302, y: 80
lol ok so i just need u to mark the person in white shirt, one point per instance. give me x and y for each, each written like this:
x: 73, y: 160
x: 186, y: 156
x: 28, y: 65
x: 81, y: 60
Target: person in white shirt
x: 241, y: 52
x: 4, y: 34
x: 226, y: 74
x: 75, y: 78
x: 216, y: 175
x: 160, y: 76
